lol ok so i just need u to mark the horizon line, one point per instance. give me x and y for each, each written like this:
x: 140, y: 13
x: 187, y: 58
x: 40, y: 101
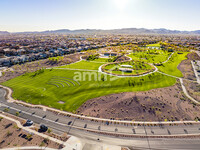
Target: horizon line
x: 97, y: 29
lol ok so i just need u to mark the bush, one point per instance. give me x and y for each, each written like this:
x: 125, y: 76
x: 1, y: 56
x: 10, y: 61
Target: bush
x: 40, y: 71
x: 1, y: 118
x: 49, y: 130
x: 112, y: 59
x: 93, y: 57
x: 6, y: 109
x: 56, y: 59
x: 17, y: 114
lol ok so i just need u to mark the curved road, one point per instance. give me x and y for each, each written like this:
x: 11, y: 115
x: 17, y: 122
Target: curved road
x: 98, y: 132
x: 136, y: 136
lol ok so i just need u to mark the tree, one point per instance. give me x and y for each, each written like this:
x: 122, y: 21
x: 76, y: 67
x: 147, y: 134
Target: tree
x: 42, y: 144
x: 8, y: 133
x: 29, y: 136
x: 6, y: 109
x: 17, y: 114
x: 49, y: 130
x: 1, y: 118
x: 3, y: 73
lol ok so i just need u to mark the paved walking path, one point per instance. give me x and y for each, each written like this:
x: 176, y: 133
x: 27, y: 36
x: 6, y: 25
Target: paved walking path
x: 156, y: 69
x: 168, y: 58
x: 186, y: 93
x: 29, y: 148
x: 168, y: 75
x: 66, y: 64
x: 195, y: 72
x: 73, y: 69
x: 183, y: 87
x: 11, y: 100
x: 100, y: 70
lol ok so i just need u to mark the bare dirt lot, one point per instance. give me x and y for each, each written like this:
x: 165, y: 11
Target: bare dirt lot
x: 193, y: 88
x: 158, y: 104
x: 186, y: 67
x: 18, y: 70
x: 12, y: 136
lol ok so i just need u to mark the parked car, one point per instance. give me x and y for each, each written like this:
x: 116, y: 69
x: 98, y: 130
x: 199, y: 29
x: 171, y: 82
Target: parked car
x: 43, y: 128
x: 69, y: 122
x: 29, y: 123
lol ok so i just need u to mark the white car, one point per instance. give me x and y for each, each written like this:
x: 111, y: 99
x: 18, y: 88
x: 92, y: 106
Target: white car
x: 29, y: 122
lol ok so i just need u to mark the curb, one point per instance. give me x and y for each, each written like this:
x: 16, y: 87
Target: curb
x: 11, y: 100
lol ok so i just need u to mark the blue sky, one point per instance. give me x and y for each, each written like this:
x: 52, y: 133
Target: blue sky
x: 39, y: 15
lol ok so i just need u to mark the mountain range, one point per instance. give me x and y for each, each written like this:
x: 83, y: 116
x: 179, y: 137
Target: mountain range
x: 4, y: 32
x: 113, y: 31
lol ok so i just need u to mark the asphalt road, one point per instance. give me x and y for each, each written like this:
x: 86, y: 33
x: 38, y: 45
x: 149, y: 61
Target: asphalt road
x: 73, y: 126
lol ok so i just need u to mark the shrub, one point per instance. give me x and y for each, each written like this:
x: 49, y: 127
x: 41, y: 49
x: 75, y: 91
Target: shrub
x: 17, y: 114
x: 49, y: 130
x: 1, y: 118
x: 6, y: 109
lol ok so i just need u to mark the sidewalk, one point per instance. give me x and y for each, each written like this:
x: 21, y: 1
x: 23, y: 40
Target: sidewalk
x: 195, y: 72
x: 29, y: 147
x: 66, y: 144
x: 45, y: 108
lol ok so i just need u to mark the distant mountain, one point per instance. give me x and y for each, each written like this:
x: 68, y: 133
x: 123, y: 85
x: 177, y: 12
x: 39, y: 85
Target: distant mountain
x: 196, y: 32
x: 4, y: 32
x: 113, y: 31
x: 81, y: 31
x: 122, y: 31
x: 62, y: 31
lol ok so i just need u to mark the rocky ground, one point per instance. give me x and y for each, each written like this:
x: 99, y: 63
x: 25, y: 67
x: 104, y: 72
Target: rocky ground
x: 122, y: 58
x: 186, y: 67
x: 192, y: 87
x: 12, y: 136
x: 155, y: 105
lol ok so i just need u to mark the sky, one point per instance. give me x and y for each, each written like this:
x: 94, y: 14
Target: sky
x: 40, y: 15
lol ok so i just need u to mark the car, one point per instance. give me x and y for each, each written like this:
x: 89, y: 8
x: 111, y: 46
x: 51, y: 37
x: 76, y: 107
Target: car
x: 43, y: 128
x: 69, y: 122
x: 107, y: 123
x: 29, y: 123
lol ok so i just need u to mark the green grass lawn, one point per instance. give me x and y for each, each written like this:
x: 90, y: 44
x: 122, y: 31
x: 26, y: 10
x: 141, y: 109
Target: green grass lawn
x: 50, y: 86
x: 150, y: 58
x: 138, y: 67
x: 154, y: 45
x: 34, y: 88
x: 171, y: 66
x: 84, y: 65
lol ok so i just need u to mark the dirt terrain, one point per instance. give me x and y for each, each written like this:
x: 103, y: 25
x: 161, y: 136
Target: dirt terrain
x: 18, y: 70
x: 12, y: 136
x: 193, y: 88
x: 186, y: 67
x: 158, y: 104
x: 122, y: 58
